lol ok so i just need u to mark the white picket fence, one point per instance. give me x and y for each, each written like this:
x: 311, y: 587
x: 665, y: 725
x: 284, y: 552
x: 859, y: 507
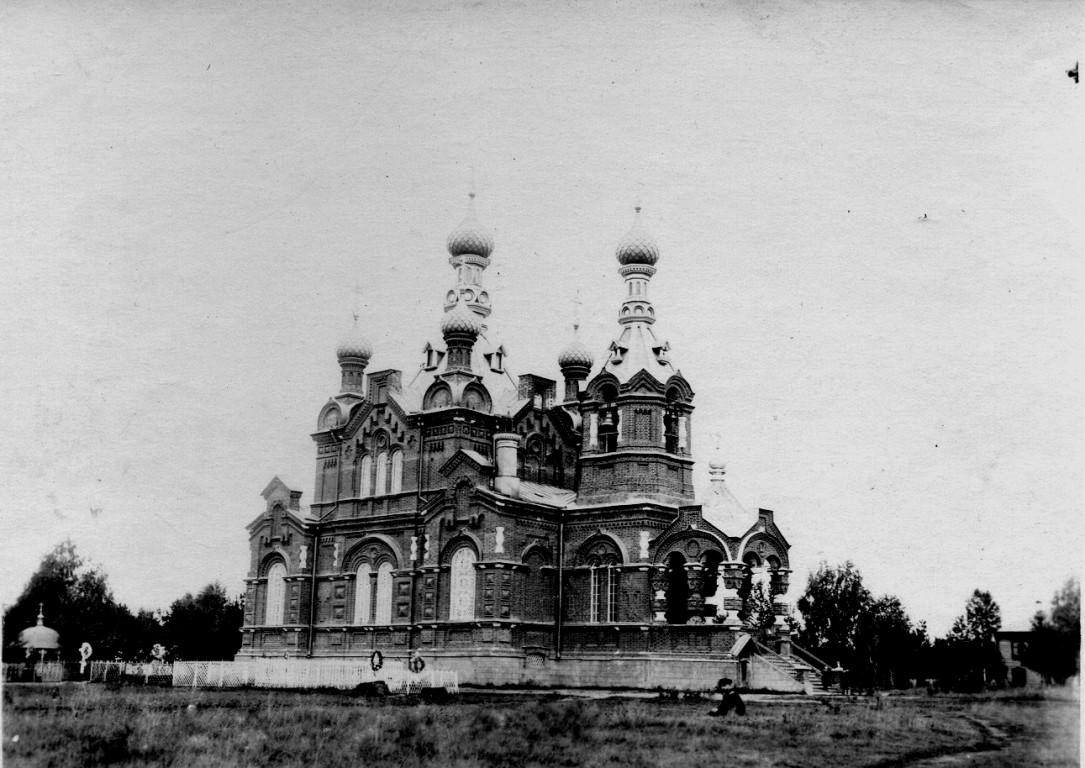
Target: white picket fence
x: 307, y: 673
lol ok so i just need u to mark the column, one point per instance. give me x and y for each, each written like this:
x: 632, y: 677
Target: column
x: 695, y: 601
x: 730, y: 582
x: 657, y: 580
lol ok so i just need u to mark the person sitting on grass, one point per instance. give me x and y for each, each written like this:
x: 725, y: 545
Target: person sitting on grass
x: 731, y: 699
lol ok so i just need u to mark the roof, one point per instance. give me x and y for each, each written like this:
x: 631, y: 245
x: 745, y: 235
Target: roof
x: 549, y: 495
x: 638, y: 345
x: 720, y: 508
x: 502, y: 387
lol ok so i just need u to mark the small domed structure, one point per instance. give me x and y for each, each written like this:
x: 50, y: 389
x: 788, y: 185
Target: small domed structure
x: 637, y: 247
x: 575, y: 354
x: 354, y: 352
x: 354, y: 346
x: 460, y: 320
x: 575, y: 361
x: 470, y: 237
x: 39, y: 638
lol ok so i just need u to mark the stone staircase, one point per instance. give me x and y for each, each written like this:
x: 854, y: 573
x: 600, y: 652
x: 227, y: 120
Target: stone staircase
x: 799, y: 670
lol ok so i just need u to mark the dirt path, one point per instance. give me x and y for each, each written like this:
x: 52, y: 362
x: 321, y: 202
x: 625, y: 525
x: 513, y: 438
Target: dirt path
x: 992, y: 739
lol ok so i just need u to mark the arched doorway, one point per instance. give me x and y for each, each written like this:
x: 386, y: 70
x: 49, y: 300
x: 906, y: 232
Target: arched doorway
x: 677, y: 591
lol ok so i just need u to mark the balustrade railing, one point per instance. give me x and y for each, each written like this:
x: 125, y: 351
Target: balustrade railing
x: 809, y: 658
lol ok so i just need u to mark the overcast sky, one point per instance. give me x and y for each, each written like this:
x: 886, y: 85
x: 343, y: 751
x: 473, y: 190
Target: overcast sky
x: 868, y: 214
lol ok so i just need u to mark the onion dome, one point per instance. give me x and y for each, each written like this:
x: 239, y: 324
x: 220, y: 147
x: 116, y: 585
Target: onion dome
x: 460, y: 320
x: 354, y: 345
x: 470, y: 237
x: 576, y: 355
x: 637, y: 247
x: 40, y: 637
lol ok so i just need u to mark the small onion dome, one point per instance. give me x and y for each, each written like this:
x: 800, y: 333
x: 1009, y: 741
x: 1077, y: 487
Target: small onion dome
x: 717, y: 467
x: 470, y: 236
x: 460, y: 320
x: 575, y: 355
x: 637, y: 247
x: 355, y: 345
x: 40, y: 637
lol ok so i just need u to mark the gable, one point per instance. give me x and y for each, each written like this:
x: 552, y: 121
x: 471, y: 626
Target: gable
x: 642, y: 381
x: 469, y: 463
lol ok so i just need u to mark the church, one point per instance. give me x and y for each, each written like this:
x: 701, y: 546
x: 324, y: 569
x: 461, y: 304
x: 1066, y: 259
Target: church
x: 519, y: 528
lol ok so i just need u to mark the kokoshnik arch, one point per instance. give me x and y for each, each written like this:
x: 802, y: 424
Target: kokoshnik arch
x: 511, y: 527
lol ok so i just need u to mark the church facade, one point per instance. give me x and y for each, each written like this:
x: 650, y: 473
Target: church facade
x: 516, y: 528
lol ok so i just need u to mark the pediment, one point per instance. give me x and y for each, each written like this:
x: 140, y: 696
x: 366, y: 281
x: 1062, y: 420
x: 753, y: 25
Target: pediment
x: 642, y: 381
x: 469, y: 460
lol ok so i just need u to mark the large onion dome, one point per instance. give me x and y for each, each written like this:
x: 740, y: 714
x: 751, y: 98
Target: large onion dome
x: 575, y: 355
x: 470, y: 237
x: 637, y: 247
x: 460, y: 320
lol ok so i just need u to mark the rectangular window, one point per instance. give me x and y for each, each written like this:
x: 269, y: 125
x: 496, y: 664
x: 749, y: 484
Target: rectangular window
x: 612, y: 595
x: 597, y: 593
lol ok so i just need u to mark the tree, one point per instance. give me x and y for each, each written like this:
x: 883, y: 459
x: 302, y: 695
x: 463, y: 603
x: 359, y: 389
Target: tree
x: 207, y: 626
x: 971, y: 656
x: 77, y: 603
x: 873, y: 638
x: 1055, y: 649
x: 758, y: 610
x: 835, y: 610
x: 982, y: 618
x: 1066, y: 608
x: 894, y: 646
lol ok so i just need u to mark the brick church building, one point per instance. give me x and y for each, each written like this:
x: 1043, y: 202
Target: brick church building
x: 516, y: 528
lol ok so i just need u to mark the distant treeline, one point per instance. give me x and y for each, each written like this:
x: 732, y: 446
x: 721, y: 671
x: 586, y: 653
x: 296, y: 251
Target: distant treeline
x: 880, y: 647
x: 78, y: 603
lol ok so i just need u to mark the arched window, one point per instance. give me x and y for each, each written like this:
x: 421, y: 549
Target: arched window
x: 366, y: 471
x: 276, y: 595
x: 397, y: 472
x: 533, y: 460
x: 461, y: 606
x: 539, y: 587
x: 384, y: 592
x: 603, y: 590
x: 439, y: 396
x: 363, y: 595
x: 609, y: 419
x: 381, y: 486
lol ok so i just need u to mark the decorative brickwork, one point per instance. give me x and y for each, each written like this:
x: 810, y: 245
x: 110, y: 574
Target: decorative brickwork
x: 485, y: 516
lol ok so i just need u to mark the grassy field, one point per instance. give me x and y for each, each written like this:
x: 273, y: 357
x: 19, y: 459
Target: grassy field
x: 79, y: 725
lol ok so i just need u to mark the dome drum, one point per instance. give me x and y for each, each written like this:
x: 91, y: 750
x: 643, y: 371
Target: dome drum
x: 638, y: 269
x: 471, y: 258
